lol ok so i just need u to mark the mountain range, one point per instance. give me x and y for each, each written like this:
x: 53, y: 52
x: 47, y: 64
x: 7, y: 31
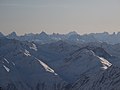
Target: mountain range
x: 73, y: 36
x: 60, y: 61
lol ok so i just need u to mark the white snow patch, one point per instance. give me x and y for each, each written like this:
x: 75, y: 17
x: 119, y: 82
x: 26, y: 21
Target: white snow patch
x: 6, y: 68
x: 105, y: 63
x: 33, y: 47
x: 6, y: 60
x: 104, y: 67
x: 83, y: 40
x: 27, y: 53
x: 77, y: 39
x: 13, y: 63
x: 56, y: 38
x: 47, y: 68
x: 93, y: 53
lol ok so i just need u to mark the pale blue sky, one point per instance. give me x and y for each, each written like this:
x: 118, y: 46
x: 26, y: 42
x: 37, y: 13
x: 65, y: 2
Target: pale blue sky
x: 62, y: 16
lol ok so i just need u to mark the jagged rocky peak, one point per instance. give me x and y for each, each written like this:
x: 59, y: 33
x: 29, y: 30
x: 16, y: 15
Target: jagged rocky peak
x: 1, y: 34
x: 43, y: 34
x: 106, y: 33
x: 29, y: 34
x: 113, y: 33
x: 55, y: 34
x: 12, y: 35
x: 72, y: 33
x: 118, y: 33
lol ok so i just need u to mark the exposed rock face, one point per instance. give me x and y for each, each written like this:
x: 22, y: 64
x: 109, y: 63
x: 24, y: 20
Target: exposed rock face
x: 104, y: 80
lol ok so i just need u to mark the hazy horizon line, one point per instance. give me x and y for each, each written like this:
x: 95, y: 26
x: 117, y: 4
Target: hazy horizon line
x: 59, y: 33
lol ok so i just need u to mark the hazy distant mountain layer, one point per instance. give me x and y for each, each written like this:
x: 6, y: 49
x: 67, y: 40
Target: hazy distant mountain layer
x: 70, y: 37
x: 58, y: 64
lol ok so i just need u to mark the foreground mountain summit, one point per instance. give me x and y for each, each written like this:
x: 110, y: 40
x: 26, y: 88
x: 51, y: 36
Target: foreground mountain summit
x: 59, y: 62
